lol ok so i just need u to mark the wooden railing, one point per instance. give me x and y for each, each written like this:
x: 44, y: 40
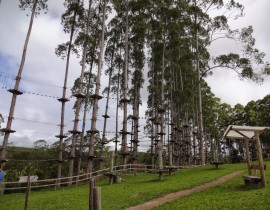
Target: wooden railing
x: 74, y: 180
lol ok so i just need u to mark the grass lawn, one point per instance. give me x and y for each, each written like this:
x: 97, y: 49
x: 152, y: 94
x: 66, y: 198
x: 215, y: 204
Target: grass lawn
x: 230, y: 195
x: 134, y: 190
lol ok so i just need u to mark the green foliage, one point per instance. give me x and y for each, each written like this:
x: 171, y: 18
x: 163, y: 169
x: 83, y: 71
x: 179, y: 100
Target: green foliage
x: 41, y: 5
x: 40, y: 160
x: 87, y: 87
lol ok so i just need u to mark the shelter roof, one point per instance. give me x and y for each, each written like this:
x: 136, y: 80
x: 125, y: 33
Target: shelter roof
x: 242, y: 132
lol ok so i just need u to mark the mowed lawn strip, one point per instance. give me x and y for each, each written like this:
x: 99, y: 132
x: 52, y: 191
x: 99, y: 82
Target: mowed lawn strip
x: 230, y: 195
x: 134, y: 190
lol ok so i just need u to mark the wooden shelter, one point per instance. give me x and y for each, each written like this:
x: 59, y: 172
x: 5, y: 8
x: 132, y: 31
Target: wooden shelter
x: 246, y: 134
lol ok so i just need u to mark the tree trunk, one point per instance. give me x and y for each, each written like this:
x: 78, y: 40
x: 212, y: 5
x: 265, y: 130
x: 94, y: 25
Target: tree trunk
x: 106, y: 116
x: 79, y: 97
x: 125, y: 100
x: 96, y: 96
x: 200, y: 119
x: 63, y: 101
x: 15, y: 92
x: 117, y: 111
x: 162, y: 111
x: 136, y: 123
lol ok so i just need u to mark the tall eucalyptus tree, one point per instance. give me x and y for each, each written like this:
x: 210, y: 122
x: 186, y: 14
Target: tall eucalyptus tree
x: 90, y: 78
x: 116, y: 39
x: 36, y: 6
x: 109, y: 57
x: 139, y: 24
x: 96, y: 96
x: 125, y: 100
x: 71, y: 21
x: 79, y: 94
x: 88, y: 85
x: 207, y: 30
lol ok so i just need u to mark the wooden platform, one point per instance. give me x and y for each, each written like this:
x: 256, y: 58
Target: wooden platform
x: 253, y: 179
x: 171, y: 169
x: 216, y: 163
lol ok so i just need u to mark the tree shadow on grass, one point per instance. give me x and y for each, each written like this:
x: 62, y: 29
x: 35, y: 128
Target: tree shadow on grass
x: 155, y: 180
x: 213, y: 169
x: 244, y: 187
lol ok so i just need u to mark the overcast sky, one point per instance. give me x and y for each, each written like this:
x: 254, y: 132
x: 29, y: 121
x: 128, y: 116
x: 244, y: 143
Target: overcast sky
x: 37, y: 113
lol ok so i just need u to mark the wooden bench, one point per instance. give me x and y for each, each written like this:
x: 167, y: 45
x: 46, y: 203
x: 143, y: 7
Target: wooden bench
x: 253, y: 179
x: 114, y: 177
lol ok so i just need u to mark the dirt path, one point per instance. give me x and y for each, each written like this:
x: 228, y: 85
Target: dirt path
x: 174, y: 196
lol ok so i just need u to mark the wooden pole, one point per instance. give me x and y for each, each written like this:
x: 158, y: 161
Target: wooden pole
x: 78, y: 102
x: 2, y: 189
x: 125, y: 93
x: 96, y: 95
x: 15, y: 92
x: 97, y: 198
x: 160, y: 160
x: 247, y: 156
x: 27, y: 193
x: 260, y: 158
x: 91, y: 194
x: 170, y: 155
x: 111, y: 167
x: 112, y: 161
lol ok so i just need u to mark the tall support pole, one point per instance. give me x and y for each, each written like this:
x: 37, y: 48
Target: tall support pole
x: 160, y: 159
x: 260, y: 158
x: 79, y: 96
x: 171, y: 115
x: 15, y: 92
x: 63, y: 101
x: 170, y: 155
x: 106, y: 116
x: 116, y: 119
x: 200, y: 117
x: 125, y: 99
x: 96, y: 96
x: 153, y: 116
x: 156, y: 131
x: 84, y: 120
x: 136, y: 123
x: 162, y: 111
x: 247, y: 156
x: 153, y: 110
x: 152, y: 137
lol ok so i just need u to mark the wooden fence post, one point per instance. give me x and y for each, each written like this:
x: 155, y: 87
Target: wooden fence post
x: 260, y: 158
x: 91, y: 194
x: 2, y: 188
x: 27, y: 192
x: 247, y: 156
x: 97, y: 198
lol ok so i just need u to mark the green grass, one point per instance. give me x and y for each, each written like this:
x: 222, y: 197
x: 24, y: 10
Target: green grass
x: 230, y: 195
x: 134, y: 190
